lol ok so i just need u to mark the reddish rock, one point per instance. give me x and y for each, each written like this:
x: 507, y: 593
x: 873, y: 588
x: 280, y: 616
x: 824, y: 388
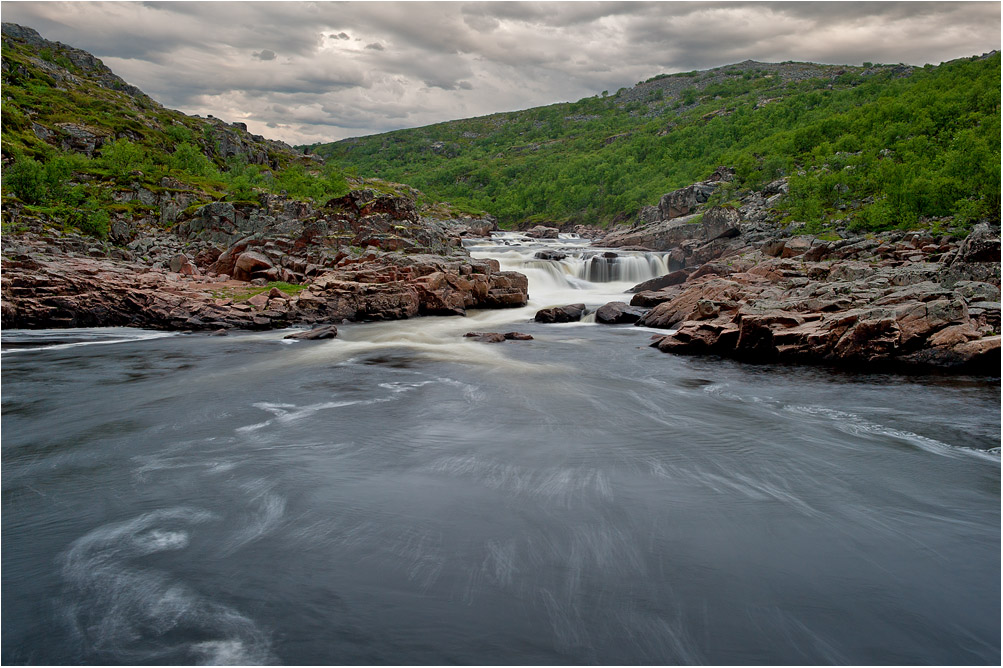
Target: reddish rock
x: 569, y: 313
x: 486, y: 337
x: 258, y: 301
x: 250, y: 263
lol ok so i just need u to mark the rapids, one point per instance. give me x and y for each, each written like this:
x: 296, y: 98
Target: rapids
x: 400, y: 495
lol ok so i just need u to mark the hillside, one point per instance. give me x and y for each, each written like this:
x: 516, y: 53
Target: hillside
x: 77, y: 140
x: 868, y: 148
x: 117, y: 211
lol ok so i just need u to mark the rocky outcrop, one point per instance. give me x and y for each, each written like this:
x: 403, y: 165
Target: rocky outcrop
x: 66, y: 282
x: 899, y: 308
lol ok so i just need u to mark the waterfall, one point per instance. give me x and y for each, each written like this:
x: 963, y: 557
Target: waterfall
x: 569, y: 269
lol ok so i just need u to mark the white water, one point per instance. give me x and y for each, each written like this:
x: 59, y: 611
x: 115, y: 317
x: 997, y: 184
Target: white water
x: 584, y: 276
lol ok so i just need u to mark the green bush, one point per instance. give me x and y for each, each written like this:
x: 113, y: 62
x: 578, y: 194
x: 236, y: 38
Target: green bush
x: 178, y: 134
x: 122, y: 157
x: 188, y: 158
x: 93, y: 221
x: 26, y: 178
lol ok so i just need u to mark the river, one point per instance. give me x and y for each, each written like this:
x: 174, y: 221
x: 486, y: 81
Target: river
x: 400, y: 495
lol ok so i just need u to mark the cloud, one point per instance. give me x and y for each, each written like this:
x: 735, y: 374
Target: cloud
x: 359, y: 68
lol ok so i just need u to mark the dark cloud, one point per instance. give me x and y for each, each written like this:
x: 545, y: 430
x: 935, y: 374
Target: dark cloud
x: 359, y: 68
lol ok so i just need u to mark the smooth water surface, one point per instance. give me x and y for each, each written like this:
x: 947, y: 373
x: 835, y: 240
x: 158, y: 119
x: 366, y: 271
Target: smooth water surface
x: 402, y: 495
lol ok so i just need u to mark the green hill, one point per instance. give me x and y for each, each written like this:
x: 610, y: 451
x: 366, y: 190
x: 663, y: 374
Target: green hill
x: 868, y: 147
x: 76, y: 137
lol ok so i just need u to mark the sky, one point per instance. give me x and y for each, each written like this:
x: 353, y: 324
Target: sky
x: 306, y: 72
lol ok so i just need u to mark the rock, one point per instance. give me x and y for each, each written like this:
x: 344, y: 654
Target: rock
x: 542, y: 232
x: 674, y: 278
x: 325, y: 332
x: 981, y: 245
x: 684, y: 306
x: 180, y: 264
x: 518, y: 336
x: 220, y: 332
x: 569, y: 313
x: 486, y: 337
x: 720, y: 222
x: 649, y: 214
x: 249, y: 263
x: 258, y: 301
x: 616, y: 313
x: 549, y: 255
x: 685, y: 200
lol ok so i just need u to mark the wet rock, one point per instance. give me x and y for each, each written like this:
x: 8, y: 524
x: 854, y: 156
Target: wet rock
x: 550, y: 255
x: 569, y: 313
x: 542, y: 232
x: 486, y: 337
x: 518, y: 336
x: 325, y: 332
x: 616, y: 313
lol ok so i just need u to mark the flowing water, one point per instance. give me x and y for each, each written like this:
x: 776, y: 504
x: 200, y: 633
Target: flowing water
x: 401, y: 495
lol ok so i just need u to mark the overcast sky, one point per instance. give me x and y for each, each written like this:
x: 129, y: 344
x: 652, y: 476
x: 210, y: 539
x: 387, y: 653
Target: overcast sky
x: 321, y: 71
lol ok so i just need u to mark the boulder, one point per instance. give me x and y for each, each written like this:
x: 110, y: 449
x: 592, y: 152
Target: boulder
x: 486, y: 337
x: 616, y: 313
x: 685, y: 200
x: 542, y: 232
x: 569, y: 313
x: 720, y: 222
x: 981, y: 245
x: 550, y: 255
x: 518, y: 336
x: 249, y: 263
x: 180, y: 264
x: 325, y: 332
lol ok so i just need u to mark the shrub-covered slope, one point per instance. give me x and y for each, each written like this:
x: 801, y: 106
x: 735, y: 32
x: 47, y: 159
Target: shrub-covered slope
x: 77, y: 140
x: 864, y: 147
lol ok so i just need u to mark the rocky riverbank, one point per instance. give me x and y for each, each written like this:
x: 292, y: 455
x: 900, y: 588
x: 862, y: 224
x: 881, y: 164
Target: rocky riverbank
x: 362, y: 257
x: 741, y: 288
